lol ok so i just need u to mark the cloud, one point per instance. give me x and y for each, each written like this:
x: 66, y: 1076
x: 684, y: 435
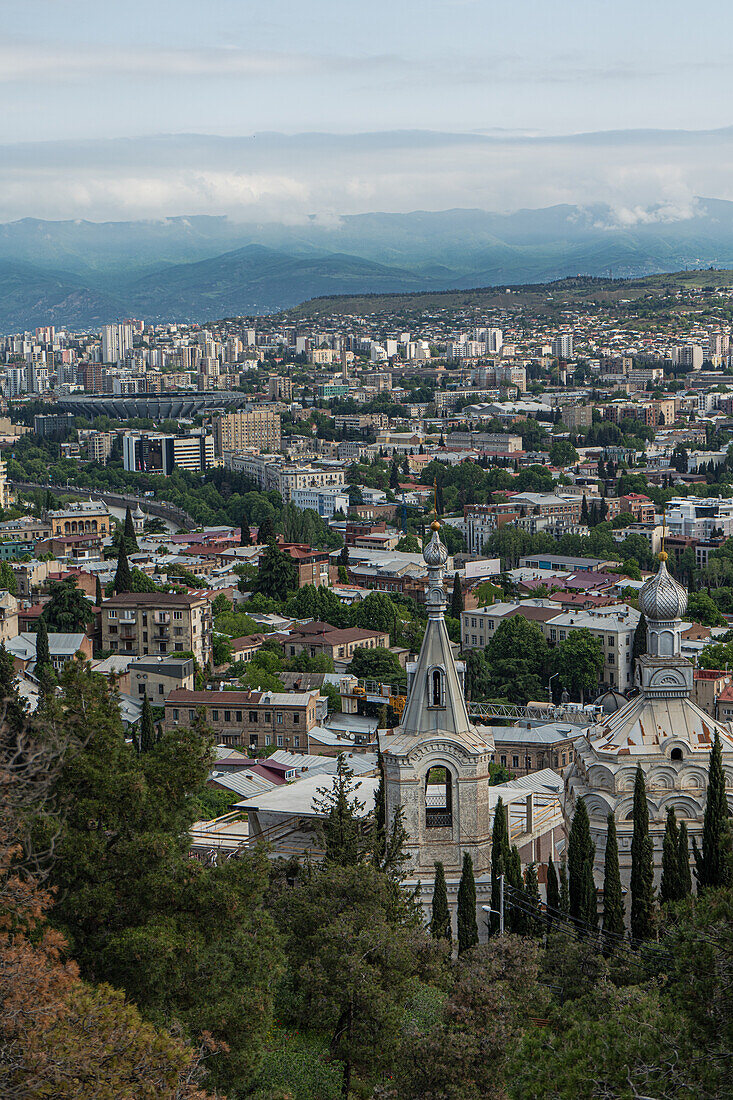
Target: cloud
x: 646, y: 179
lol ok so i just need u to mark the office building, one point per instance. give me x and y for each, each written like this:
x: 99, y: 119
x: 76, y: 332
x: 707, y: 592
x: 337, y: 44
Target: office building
x: 116, y: 342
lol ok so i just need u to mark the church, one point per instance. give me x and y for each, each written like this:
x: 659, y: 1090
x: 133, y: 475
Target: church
x: 436, y: 763
x: 436, y: 767
x: 661, y: 729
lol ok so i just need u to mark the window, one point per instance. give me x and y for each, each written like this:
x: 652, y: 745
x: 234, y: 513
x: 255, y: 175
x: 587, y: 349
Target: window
x: 239, y: 716
x: 268, y: 738
x: 113, y: 629
x: 562, y: 635
x: 676, y: 754
x: 502, y: 761
x: 562, y: 760
x: 161, y: 690
x: 515, y: 761
x: 279, y: 740
x: 177, y: 614
x: 215, y: 716
x: 191, y: 715
x: 297, y: 741
x: 553, y: 634
x: 436, y: 688
x: 279, y: 717
x: 296, y: 719
x: 611, y: 658
x: 227, y: 716
x: 111, y: 614
x: 174, y: 714
x: 268, y: 717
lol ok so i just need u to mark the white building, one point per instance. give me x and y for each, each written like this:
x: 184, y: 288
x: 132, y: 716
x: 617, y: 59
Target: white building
x: 116, y: 342
x: 323, y: 501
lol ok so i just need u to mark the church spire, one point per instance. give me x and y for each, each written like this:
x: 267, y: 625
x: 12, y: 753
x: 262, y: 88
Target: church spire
x: 436, y: 700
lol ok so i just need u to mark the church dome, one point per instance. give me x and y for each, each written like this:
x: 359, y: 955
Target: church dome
x: 435, y: 553
x: 662, y: 599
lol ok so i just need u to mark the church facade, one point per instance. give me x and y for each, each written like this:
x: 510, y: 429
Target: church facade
x: 661, y: 729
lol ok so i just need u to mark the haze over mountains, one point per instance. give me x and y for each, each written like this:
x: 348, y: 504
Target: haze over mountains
x: 83, y: 273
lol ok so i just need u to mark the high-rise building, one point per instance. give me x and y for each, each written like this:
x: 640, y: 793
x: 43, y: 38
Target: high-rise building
x: 116, y: 342
x: 258, y: 428
x: 562, y: 346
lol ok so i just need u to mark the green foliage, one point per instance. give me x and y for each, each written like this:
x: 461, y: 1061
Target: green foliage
x: 456, y: 606
x: 670, y: 888
x: 43, y: 654
x: 713, y: 865
x: 562, y: 453
x: 553, y: 893
x: 128, y: 533
x: 467, y: 924
x: 613, y: 900
x: 409, y: 544
x: 68, y: 611
x: 440, y: 922
x: 123, y: 578
x: 338, y: 804
x: 146, y: 735
x: 277, y: 575
x: 237, y: 624
x: 499, y: 860
x: 581, y: 853
x: 379, y: 665
x: 578, y: 659
x: 8, y: 580
x: 702, y: 609
x: 642, y: 865
x: 518, y: 658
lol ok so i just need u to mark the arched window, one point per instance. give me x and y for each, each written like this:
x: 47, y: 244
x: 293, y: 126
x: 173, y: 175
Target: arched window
x: 676, y: 754
x: 438, y: 798
x: 436, y: 687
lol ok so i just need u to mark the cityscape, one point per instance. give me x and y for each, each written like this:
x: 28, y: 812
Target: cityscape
x: 366, y: 553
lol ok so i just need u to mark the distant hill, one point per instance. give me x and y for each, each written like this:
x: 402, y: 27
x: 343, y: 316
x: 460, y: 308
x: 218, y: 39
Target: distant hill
x: 84, y: 273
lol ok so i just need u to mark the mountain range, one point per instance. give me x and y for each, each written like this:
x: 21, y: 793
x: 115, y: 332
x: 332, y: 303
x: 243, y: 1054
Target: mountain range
x: 83, y: 273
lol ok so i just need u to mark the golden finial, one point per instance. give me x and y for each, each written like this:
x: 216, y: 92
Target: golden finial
x: 435, y: 526
x: 662, y: 555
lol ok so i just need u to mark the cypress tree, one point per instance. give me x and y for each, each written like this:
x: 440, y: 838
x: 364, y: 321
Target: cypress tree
x: 245, y: 538
x: 440, y: 928
x: 713, y: 862
x: 123, y: 578
x: 128, y: 535
x: 553, y: 892
x: 639, y: 646
x: 98, y: 593
x: 456, y: 606
x: 516, y: 917
x: 147, y: 727
x: 499, y: 859
x: 584, y: 516
x: 581, y: 853
x: 564, y: 890
x: 613, y: 901
x: 670, y: 886
x: 43, y: 653
x: 467, y: 924
x: 683, y: 862
x: 532, y: 898
x: 642, y: 865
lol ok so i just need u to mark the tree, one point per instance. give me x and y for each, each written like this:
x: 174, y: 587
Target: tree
x: 341, y: 809
x: 266, y: 531
x: 584, y: 516
x: 499, y: 860
x: 440, y: 922
x: 713, y: 863
x: 146, y: 735
x: 245, y: 535
x: 642, y: 865
x: 553, y: 893
x: 683, y: 862
x: 97, y: 592
x: 581, y: 854
x: 534, y: 921
x: 670, y: 888
x: 613, y: 899
x: 128, y: 535
x: 467, y: 924
x: 351, y: 946
x: 579, y: 661
x: 456, y: 606
x: 564, y: 890
x: 277, y: 574
x: 127, y: 888
x: 8, y: 580
x: 68, y: 611
x: 377, y: 612
x: 43, y: 653
x: 640, y: 639
x: 379, y: 665
x: 518, y: 658
x: 123, y: 579
x: 702, y: 609
x: 409, y: 544
x: 562, y: 453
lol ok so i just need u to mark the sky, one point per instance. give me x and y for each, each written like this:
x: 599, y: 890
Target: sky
x: 83, y: 84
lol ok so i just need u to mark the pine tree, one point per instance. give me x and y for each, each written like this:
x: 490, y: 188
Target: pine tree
x: 341, y: 809
x: 553, y: 893
x: 128, y: 535
x: 670, y: 886
x: 467, y: 924
x: 439, y: 504
x: 43, y: 653
x: 98, y: 592
x: 642, y: 865
x: 245, y: 536
x: 604, y: 510
x: 380, y: 814
x: 581, y: 853
x: 683, y: 862
x: 713, y: 863
x: 499, y: 859
x: 123, y: 578
x: 147, y: 727
x: 564, y: 890
x: 456, y: 606
x: 440, y: 928
x: 584, y: 515
x: 613, y: 901
x: 640, y: 639
x: 266, y: 531
x: 516, y: 917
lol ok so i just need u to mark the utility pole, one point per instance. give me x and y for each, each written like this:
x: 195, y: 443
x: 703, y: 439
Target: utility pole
x: 501, y: 905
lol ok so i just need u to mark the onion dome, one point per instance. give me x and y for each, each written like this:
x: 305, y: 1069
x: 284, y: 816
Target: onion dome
x: 435, y: 553
x: 662, y: 599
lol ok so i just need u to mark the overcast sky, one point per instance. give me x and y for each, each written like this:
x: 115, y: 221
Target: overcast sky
x: 87, y: 71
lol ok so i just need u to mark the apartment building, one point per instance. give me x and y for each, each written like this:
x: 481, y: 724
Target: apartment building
x: 82, y: 517
x: 258, y: 429
x: 253, y: 719
x: 279, y: 388
x: 155, y: 453
x: 314, y: 566
x: 481, y: 520
x: 152, y: 623
x: 323, y: 501
x: 577, y: 416
x: 499, y: 442
x: 316, y: 638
